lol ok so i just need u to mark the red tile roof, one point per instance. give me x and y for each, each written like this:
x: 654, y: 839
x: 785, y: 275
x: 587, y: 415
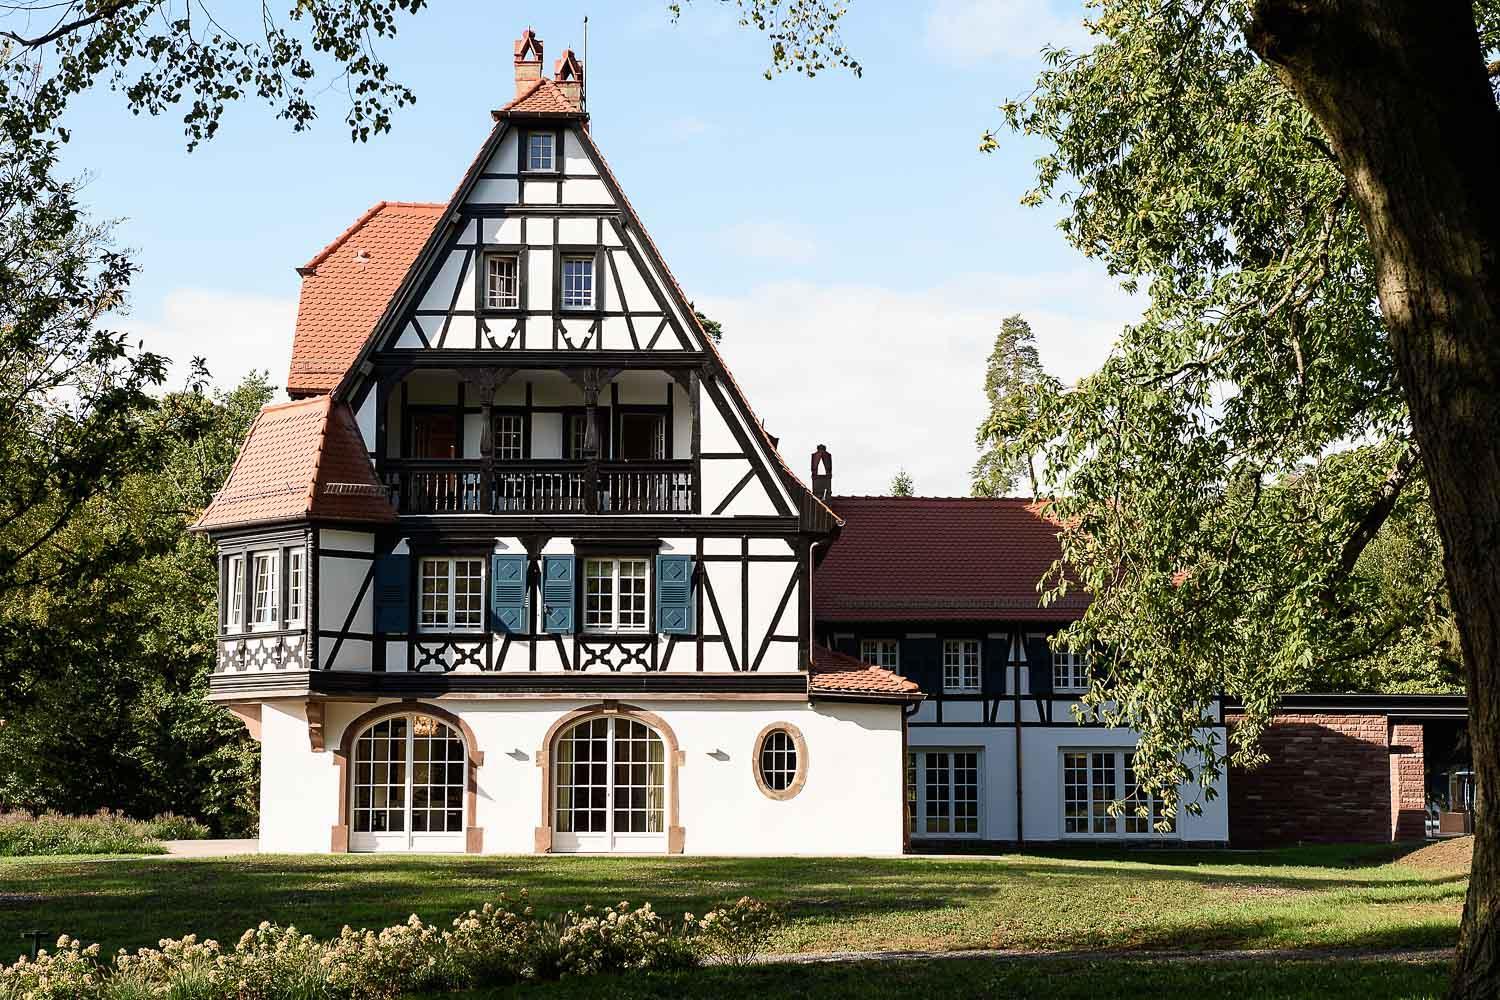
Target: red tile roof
x: 939, y: 559
x: 301, y: 459
x: 544, y: 97
x: 347, y: 286
x: 835, y: 673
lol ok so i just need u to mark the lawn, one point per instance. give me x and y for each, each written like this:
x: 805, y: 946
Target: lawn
x: 969, y: 977
x: 1347, y: 897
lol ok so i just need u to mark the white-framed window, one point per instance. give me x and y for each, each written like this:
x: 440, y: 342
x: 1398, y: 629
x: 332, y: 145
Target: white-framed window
x: 510, y: 434
x: 502, y: 281
x: 452, y: 595
x: 943, y: 792
x: 408, y: 785
x: 578, y: 282
x: 541, y: 151
x: 265, y: 611
x: 614, y: 595
x: 960, y: 666
x: 881, y: 653
x: 1070, y: 671
x: 235, y: 613
x: 1093, y: 780
x: 295, y: 588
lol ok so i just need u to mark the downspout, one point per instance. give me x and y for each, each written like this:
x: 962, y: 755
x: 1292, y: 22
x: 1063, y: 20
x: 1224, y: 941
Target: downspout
x: 1018, y: 639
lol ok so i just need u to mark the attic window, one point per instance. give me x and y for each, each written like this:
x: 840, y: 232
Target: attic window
x: 540, y: 151
x: 502, y: 282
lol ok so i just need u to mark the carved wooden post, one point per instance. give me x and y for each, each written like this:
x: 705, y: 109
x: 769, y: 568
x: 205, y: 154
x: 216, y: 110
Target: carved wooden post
x: 485, y: 382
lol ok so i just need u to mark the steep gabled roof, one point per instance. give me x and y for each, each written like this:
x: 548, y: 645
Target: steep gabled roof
x: 542, y: 98
x: 939, y: 559
x: 837, y: 674
x: 303, y: 459
x: 346, y: 287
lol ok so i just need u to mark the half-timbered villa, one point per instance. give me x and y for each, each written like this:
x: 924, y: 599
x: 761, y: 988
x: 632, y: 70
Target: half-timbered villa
x: 517, y: 568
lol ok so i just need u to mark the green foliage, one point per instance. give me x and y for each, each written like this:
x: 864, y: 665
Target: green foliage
x: 99, y: 715
x: 1216, y: 479
x: 104, y: 832
x: 501, y: 943
x: 804, y: 34
x: 1014, y: 380
x: 901, y: 484
x: 712, y: 327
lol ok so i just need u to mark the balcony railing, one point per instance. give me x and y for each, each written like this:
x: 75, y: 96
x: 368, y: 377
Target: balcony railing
x: 460, y: 487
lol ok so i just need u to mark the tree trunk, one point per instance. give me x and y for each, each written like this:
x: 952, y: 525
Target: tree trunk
x: 1400, y: 88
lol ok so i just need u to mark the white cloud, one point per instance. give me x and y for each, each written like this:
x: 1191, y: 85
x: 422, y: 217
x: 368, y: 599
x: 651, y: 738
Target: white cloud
x: 978, y: 30
x: 770, y: 240
x: 889, y: 378
x: 235, y: 333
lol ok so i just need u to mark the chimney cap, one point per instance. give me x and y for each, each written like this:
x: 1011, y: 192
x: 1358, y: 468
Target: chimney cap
x: 528, y: 47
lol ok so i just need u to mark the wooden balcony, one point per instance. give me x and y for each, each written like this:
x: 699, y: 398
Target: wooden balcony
x: 466, y: 487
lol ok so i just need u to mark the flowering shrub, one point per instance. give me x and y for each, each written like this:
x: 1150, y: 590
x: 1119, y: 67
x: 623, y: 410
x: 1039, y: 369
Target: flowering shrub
x: 738, y: 932
x: 500, y: 943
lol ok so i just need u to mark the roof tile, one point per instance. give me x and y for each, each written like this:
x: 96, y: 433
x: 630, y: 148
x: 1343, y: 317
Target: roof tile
x: 544, y: 97
x: 940, y: 559
x: 301, y: 459
x: 838, y: 673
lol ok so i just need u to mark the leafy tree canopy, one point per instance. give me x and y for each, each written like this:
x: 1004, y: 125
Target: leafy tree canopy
x: 1013, y: 381
x: 901, y: 484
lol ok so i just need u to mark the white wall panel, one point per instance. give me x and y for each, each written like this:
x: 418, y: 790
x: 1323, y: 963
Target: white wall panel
x: 584, y: 192
x: 578, y: 230
x: 494, y: 191
x: 540, y: 192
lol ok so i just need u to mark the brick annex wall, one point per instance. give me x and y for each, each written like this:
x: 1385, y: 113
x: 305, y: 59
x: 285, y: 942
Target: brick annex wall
x: 1328, y: 780
x: 1408, y: 783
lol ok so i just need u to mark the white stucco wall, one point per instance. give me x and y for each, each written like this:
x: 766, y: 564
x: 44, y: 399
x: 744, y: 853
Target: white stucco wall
x: 851, y: 802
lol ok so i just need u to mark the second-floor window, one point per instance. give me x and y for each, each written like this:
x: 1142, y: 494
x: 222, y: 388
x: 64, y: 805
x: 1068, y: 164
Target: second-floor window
x: 880, y: 653
x: 434, y: 434
x: 235, y: 614
x: 266, y: 589
x: 502, y: 281
x: 960, y: 666
x: 510, y: 434
x: 452, y: 595
x: 643, y: 437
x: 578, y: 283
x: 614, y: 595
x: 1070, y: 671
x: 294, y: 586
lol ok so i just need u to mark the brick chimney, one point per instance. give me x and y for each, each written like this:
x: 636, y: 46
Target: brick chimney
x: 822, y: 481
x: 568, y: 75
x: 528, y: 61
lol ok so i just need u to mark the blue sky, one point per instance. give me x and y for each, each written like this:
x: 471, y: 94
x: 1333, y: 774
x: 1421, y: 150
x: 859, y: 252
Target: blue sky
x: 858, y: 248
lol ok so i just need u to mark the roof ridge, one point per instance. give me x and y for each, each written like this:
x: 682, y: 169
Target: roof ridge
x: 357, y: 225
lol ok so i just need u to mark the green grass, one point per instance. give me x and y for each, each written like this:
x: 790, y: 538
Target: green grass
x: 969, y: 977
x: 1304, y: 898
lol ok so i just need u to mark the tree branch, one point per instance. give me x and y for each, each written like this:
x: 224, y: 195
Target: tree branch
x: 1379, y: 510
x: 106, y: 11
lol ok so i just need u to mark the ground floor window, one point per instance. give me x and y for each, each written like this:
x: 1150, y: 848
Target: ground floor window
x: 408, y: 786
x: 609, y: 781
x: 1093, y: 780
x: 943, y: 792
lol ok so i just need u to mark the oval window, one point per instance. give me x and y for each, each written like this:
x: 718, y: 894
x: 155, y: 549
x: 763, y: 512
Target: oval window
x: 780, y: 760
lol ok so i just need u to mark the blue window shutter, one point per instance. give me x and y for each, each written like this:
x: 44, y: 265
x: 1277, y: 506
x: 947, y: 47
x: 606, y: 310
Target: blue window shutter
x: 992, y: 664
x: 508, y: 592
x: 392, y: 593
x: 557, y: 594
x: 1039, y: 662
x: 922, y: 661
x: 674, y: 595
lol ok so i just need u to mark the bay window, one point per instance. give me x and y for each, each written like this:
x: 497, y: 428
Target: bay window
x: 265, y: 592
x: 235, y: 612
x: 294, y: 587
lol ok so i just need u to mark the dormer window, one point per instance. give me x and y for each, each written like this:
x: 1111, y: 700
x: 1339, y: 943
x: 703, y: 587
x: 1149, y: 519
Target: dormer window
x: 578, y: 283
x: 541, y: 151
x: 502, y: 281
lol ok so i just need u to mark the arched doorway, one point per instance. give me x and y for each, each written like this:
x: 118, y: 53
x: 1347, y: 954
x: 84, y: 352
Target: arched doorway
x: 408, y: 785
x: 609, y: 781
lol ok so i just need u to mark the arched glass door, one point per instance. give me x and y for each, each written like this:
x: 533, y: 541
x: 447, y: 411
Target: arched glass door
x: 609, y: 782
x: 408, y: 786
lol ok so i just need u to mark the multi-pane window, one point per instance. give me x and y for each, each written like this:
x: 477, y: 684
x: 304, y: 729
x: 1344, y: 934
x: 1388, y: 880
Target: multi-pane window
x: 264, y: 607
x: 610, y: 779
x: 408, y: 779
x: 235, y: 614
x: 578, y: 282
x: 943, y: 792
x: 960, y: 666
x: 778, y: 760
x: 1070, y: 671
x: 502, y: 281
x: 452, y: 595
x: 510, y: 436
x: 881, y: 653
x: 294, y: 586
x: 614, y: 595
x: 541, y: 151
x: 1093, y: 780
